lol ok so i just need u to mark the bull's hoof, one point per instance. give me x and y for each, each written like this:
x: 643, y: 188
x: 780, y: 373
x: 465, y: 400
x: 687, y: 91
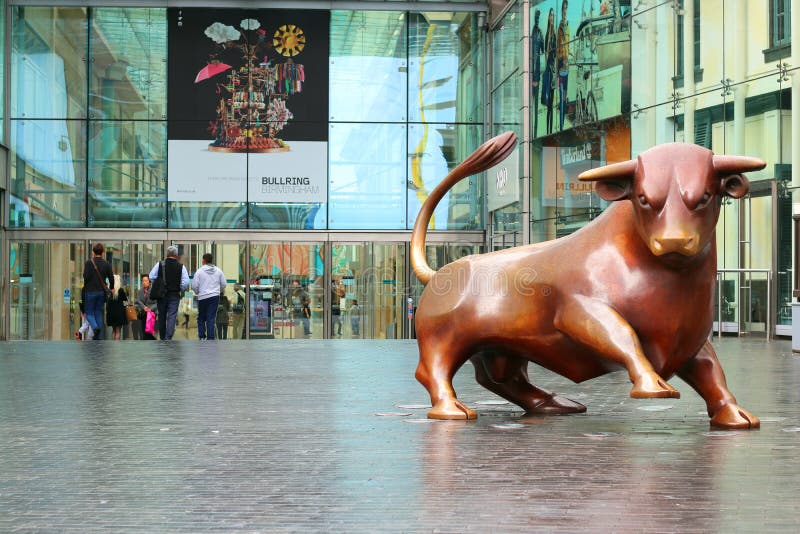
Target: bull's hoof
x: 652, y: 386
x: 451, y: 409
x: 733, y: 417
x: 555, y: 405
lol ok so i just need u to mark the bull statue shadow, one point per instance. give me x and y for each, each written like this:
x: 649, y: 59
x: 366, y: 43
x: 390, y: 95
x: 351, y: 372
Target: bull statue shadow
x: 633, y: 290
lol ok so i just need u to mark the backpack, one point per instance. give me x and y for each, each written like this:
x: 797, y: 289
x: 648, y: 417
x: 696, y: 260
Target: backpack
x: 159, y: 286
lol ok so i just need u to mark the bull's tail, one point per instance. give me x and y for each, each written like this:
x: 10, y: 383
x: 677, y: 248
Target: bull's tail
x: 487, y: 155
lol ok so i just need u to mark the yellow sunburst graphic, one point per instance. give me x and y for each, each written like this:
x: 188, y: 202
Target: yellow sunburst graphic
x: 289, y: 40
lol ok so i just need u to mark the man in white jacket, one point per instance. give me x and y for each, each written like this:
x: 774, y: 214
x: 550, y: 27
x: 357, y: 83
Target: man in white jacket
x: 208, y: 283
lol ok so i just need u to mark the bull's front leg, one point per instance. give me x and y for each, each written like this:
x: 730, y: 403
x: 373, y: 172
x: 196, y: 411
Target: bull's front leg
x: 597, y: 326
x: 704, y: 373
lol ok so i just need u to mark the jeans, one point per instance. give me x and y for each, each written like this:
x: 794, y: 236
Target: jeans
x: 336, y: 321
x: 207, y: 317
x: 167, y: 316
x: 354, y: 323
x: 303, y: 320
x: 93, y: 305
x: 562, y: 98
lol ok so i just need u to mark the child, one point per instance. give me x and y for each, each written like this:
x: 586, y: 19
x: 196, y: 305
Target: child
x: 85, y: 332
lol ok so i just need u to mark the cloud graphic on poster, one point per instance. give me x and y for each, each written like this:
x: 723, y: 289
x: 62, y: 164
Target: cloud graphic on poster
x: 222, y: 33
x: 250, y: 24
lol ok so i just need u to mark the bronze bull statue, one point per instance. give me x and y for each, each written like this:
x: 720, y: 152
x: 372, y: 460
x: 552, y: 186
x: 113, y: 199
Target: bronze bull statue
x: 632, y: 290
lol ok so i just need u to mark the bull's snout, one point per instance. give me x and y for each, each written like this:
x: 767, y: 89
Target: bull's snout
x: 686, y: 245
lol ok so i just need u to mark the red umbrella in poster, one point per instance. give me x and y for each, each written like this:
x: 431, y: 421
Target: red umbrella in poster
x: 212, y: 69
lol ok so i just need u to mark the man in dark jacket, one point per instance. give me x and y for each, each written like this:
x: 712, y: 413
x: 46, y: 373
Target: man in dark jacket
x: 176, y: 279
x: 96, y: 273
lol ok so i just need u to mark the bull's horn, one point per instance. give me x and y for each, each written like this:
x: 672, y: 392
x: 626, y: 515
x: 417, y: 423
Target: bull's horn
x: 615, y: 171
x: 725, y: 165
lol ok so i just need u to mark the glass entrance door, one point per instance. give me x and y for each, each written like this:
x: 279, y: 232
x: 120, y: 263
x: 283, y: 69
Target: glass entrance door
x: 229, y: 257
x: 367, y: 290
x: 45, y: 289
x: 285, y: 290
x: 129, y: 260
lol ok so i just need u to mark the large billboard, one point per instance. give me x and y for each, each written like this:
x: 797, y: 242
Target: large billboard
x: 248, y: 105
x: 580, y: 54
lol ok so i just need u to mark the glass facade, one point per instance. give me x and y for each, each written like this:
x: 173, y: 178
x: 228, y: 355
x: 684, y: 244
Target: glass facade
x: 89, y: 86
x: 91, y: 120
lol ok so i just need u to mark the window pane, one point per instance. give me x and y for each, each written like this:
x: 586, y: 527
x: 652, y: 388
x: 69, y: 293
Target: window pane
x: 290, y: 216
x: 127, y: 185
x: 507, y: 46
x: 507, y: 104
x: 434, y: 150
x: 651, y: 84
x: 207, y: 215
x: 128, y: 66
x: 45, y: 281
x: 48, y: 173
x: 444, y: 68
x: 2, y: 86
x: 368, y: 66
x: 367, y: 184
x: 48, y: 62
x: 27, y: 290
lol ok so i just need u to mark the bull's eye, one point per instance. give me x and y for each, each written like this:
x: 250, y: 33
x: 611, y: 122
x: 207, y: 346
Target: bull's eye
x: 643, y: 201
x: 703, y: 202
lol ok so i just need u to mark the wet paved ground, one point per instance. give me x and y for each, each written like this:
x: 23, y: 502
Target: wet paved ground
x: 268, y: 436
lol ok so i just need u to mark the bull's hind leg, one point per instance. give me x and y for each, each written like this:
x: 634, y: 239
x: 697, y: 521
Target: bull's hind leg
x: 438, y: 364
x: 507, y: 376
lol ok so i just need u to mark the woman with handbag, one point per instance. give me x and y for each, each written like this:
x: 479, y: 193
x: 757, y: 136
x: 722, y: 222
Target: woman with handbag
x: 145, y: 304
x: 98, y: 281
x: 115, y: 311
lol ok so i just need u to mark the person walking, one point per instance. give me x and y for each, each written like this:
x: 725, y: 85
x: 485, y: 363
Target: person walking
x: 97, y: 276
x: 355, y: 318
x: 143, y: 303
x: 238, y: 310
x: 115, y: 309
x: 208, y: 283
x: 176, y: 279
x: 300, y: 306
x: 336, y: 310
x: 223, y: 317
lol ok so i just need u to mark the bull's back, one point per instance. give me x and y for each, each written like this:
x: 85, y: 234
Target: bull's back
x: 505, y: 302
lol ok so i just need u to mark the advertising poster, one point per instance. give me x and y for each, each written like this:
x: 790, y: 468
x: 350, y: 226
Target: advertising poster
x: 580, y: 53
x: 248, y: 105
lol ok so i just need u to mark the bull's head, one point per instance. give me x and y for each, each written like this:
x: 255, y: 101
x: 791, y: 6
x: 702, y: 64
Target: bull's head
x: 676, y: 190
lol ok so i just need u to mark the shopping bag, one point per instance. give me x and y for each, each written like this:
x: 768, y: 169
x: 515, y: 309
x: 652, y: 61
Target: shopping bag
x: 150, y: 323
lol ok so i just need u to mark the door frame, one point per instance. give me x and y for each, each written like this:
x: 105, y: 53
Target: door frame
x: 761, y: 189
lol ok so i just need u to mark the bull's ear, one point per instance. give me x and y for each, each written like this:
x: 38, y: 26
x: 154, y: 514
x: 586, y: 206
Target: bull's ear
x: 612, y: 190
x: 613, y: 181
x: 735, y: 186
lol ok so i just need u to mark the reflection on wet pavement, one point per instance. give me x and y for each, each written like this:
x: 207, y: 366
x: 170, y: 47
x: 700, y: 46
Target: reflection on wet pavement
x: 313, y: 435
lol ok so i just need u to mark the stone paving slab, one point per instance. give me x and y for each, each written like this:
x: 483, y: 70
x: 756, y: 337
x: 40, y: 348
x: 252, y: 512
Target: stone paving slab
x: 283, y: 436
